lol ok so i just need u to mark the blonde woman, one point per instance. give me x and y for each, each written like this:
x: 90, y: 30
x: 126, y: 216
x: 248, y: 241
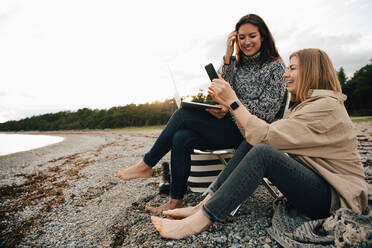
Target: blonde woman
x: 323, y: 171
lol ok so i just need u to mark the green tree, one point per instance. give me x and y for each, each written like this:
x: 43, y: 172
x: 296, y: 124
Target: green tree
x: 359, y: 92
x: 201, y: 98
x: 342, y: 77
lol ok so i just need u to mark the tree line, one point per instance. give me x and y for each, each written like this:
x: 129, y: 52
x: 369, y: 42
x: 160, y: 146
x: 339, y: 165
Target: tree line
x: 156, y: 113
x: 358, y: 89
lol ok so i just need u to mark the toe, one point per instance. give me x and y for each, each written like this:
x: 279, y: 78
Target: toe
x: 169, y: 213
x: 166, y: 212
x: 156, y: 221
x: 148, y: 208
x: 152, y: 209
x: 117, y: 174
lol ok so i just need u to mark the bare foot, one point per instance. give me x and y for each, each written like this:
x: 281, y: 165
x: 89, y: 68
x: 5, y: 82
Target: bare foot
x: 178, y: 229
x: 180, y: 213
x: 171, y: 204
x: 140, y: 170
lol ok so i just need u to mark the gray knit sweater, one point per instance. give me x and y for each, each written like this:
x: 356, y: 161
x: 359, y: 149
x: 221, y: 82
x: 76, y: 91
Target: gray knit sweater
x: 260, y: 89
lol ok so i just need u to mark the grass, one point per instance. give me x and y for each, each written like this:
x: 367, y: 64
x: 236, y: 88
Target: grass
x: 161, y: 127
x: 363, y: 120
x: 137, y: 129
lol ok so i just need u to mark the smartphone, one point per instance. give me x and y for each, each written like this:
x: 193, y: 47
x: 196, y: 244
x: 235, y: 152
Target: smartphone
x: 211, y: 71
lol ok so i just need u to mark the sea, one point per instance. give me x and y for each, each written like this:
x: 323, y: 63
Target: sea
x: 12, y: 143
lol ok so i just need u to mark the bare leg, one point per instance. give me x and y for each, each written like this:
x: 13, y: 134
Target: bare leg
x: 178, y: 229
x: 180, y: 213
x: 171, y: 204
x: 139, y: 170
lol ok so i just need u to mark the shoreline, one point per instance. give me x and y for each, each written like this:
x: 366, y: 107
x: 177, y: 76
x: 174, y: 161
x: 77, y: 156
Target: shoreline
x: 66, y: 194
x: 12, y: 140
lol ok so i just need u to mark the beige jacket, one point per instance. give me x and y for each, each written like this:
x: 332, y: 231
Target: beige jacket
x: 319, y: 133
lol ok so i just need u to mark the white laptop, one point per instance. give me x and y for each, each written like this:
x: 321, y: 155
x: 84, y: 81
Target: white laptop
x: 184, y: 104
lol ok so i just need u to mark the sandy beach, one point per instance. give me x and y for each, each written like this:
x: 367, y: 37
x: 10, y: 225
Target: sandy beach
x: 67, y: 195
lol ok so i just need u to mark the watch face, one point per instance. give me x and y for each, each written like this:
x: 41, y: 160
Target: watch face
x: 234, y: 105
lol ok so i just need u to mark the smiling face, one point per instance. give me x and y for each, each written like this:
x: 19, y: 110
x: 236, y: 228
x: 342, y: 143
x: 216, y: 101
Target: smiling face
x: 249, y: 39
x: 291, y: 75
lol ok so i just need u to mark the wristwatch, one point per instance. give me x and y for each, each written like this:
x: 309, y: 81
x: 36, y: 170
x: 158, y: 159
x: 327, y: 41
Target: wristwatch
x: 235, y: 105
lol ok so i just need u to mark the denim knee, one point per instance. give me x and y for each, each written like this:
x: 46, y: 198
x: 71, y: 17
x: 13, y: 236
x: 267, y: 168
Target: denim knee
x: 180, y: 113
x: 264, y: 153
x: 180, y: 138
x: 262, y: 148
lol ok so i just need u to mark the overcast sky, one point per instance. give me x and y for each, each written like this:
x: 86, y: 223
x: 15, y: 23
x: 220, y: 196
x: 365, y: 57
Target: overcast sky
x: 68, y: 54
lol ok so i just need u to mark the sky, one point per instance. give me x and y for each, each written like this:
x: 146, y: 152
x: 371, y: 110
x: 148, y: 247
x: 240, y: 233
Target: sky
x: 58, y: 55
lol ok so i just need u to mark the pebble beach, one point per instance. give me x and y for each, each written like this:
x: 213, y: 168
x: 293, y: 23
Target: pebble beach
x: 67, y: 195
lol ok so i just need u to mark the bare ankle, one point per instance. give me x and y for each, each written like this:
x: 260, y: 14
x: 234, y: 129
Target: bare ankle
x: 175, y: 203
x: 169, y: 205
x: 139, y: 170
x: 204, y: 201
x: 143, y: 165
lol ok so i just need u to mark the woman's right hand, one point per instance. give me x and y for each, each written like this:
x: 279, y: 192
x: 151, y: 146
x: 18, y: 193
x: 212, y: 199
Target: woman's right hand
x: 231, y: 39
x: 221, y: 92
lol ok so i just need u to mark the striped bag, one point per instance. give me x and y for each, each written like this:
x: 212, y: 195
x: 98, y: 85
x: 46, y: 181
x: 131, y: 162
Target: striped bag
x: 204, y: 169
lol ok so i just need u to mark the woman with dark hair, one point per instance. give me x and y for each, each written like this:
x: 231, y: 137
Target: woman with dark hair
x: 255, y: 75
x: 268, y: 49
x: 322, y: 171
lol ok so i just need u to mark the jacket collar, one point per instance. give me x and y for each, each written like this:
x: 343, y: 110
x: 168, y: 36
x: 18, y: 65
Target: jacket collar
x: 315, y: 94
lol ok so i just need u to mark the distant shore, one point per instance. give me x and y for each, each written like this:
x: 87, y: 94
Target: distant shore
x: 66, y: 194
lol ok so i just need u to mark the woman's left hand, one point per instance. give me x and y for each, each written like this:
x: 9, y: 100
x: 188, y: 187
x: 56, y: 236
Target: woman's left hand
x: 221, y: 92
x: 218, y: 113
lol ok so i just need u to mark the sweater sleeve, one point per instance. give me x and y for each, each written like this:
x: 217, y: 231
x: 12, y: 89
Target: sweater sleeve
x: 304, y: 129
x: 273, y: 89
x: 227, y: 73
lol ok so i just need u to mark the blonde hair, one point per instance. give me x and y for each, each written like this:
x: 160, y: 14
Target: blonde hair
x: 316, y: 71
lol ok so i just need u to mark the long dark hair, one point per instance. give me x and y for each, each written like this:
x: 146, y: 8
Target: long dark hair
x: 268, y: 49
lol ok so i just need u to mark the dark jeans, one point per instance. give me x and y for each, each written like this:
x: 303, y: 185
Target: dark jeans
x: 188, y: 129
x: 304, y: 188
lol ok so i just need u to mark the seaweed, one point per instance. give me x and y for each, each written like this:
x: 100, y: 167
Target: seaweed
x: 42, y: 189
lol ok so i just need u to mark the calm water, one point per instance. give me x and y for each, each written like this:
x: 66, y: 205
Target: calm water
x: 11, y: 143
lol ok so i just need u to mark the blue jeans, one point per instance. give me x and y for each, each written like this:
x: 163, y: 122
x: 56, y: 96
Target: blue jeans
x: 304, y: 189
x: 187, y: 130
